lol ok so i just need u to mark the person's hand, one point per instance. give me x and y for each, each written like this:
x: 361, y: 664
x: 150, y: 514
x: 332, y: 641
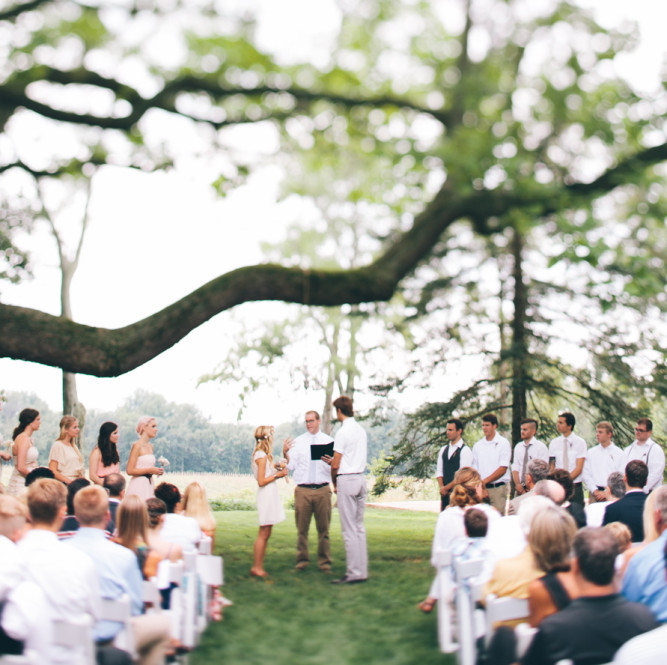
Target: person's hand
x: 599, y: 495
x: 327, y: 459
x: 157, y: 471
x: 520, y: 489
x: 282, y: 473
x: 5, y: 455
x: 287, y: 445
x: 443, y: 491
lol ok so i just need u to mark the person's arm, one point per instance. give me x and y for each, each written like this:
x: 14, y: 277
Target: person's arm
x: 576, y: 472
x: 262, y: 478
x: 540, y: 604
x: 335, y: 466
x: 22, y: 444
x: 656, y: 467
x: 93, y: 463
x: 498, y: 473
x: 520, y: 489
x: 133, y: 470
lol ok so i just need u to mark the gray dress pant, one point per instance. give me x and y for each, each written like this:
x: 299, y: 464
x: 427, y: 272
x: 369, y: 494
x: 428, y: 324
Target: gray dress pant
x: 351, y: 505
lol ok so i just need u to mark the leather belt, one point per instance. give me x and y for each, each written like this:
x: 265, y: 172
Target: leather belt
x: 314, y: 487
x: 493, y: 485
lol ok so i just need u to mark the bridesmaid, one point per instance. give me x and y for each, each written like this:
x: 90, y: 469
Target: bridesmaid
x: 65, y: 458
x: 269, y: 507
x: 104, y: 459
x: 24, y: 452
x: 141, y: 463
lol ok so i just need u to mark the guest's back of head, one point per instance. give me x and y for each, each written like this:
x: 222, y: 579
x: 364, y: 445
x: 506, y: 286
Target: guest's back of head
x: 550, y: 538
x: 195, y: 505
x: 465, y: 491
x: 36, y: 474
x: 13, y: 516
x: 551, y: 490
x: 91, y: 506
x: 476, y: 523
x: 132, y: 521
x: 72, y: 489
x: 596, y: 549
x: 46, y: 499
x: 156, y: 509
x: 170, y: 494
x: 114, y: 483
x: 636, y: 473
x: 616, y: 485
x: 564, y: 479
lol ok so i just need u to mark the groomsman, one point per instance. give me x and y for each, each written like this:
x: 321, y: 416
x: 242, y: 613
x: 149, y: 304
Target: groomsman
x: 529, y: 448
x: 601, y: 460
x: 491, y: 456
x: 645, y: 449
x: 568, y: 451
x: 451, y: 458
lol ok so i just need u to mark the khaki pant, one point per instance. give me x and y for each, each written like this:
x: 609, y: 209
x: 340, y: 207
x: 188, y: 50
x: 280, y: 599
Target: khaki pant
x: 309, y: 502
x: 498, y: 497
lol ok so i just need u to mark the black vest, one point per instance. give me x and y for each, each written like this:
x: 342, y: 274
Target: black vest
x: 449, y: 468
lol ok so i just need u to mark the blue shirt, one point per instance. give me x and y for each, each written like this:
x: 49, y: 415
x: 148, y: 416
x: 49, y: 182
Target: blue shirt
x: 118, y: 572
x: 645, y: 580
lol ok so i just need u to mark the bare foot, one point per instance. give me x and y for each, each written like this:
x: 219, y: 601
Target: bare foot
x: 427, y: 605
x: 258, y: 573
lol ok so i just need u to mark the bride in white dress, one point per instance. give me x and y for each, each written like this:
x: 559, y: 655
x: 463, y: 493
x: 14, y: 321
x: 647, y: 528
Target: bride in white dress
x: 24, y: 452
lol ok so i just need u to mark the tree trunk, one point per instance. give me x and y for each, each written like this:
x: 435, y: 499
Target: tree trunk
x: 519, y: 350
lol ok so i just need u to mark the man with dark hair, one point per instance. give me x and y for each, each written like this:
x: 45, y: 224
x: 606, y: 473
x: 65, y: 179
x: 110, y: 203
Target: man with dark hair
x: 630, y: 509
x: 529, y: 448
x: 592, y: 628
x: 312, y: 494
x: 601, y: 460
x: 476, y: 523
x: 568, y: 451
x: 491, y: 456
x: 563, y: 478
x: 614, y: 491
x: 537, y: 469
x: 644, y: 579
x: 451, y: 458
x: 114, y: 484
x: 644, y: 448
x: 347, y: 472
x: 36, y: 474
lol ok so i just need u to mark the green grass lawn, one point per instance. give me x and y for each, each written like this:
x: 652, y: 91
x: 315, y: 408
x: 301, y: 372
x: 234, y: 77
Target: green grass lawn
x: 300, y: 618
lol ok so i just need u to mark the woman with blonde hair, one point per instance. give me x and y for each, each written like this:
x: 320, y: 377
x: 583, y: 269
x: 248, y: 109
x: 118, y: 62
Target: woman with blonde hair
x: 195, y: 504
x: 132, y: 527
x: 550, y: 540
x: 468, y: 490
x: 269, y: 508
x: 65, y: 458
x: 24, y: 452
x: 141, y: 463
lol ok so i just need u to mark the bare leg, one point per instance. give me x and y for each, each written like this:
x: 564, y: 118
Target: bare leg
x: 259, y: 550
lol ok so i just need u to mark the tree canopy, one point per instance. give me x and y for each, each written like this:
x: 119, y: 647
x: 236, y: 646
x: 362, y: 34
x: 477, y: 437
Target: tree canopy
x: 488, y: 112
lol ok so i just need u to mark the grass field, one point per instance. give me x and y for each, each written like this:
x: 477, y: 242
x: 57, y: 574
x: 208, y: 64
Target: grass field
x: 299, y: 617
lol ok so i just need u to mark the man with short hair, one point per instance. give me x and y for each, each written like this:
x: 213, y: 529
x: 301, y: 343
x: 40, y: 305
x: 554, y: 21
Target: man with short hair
x: 347, y: 472
x: 568, y: 451
x: 312, y: 494
x: 630, y: 509
x: 66, y: 576
x: 644, y: 448
x: 537, y: 469
x: 601, y: 460
x: 614, y: 491
x: 594, y: 625
x: 563, y: 478
x: 119, y: 575
x: 114, y: 484
x: 644, y: 579
x: 491, y: 456
x: 451, y: 458
x: 529, y: 448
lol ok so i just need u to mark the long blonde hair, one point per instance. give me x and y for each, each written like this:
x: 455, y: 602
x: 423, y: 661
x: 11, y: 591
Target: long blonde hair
x: 132, y: 522
x: 264, y: 442
x: 65, y: 423
x: 195, y: 504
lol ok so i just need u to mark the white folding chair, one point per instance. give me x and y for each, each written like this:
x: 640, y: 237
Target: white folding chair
x: 445, y: 585
x: 76, y: 636
x: 464, y: 571
x: 210, y: 574
x: 505, y: 608
x: 150, y: 595
x: 205, y: 545
x: 120, y: 611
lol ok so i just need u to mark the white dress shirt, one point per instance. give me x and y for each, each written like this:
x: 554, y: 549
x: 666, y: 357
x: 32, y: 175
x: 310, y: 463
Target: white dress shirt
x: 576, y: 450
x: 595, y: 512
x: 66, y: 576
x: 652, y: 455
x: 351, y: 442
x: 487, y: 456
x: 534, y: 449
x: 305, y: 470
x: 465, y: 459
x: 600, y: 462
x: 182, y: 530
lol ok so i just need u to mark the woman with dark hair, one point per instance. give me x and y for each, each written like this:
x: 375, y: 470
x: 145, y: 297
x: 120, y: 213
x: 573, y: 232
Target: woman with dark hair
x: 177, y: 528
x: 104, y: 459
x: 24, y: 453
x: 65, y: 458
x: 70, y: 524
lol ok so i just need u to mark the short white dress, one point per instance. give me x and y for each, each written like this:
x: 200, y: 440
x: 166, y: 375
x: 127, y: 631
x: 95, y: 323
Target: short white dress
x: 269, y: 506
x: 16, y: 485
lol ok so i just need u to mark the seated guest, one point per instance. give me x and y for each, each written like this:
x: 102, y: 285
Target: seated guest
x: 536, y: 470
x: 630, y: 508
x: 70, y: 523
x: 614, y: 491
x: 548, y: 546
x: 593, y: 626
x: 621, y: 533
x: 468, y: 490
x: 195, y: 505
x: 177, y: 528
x: 36, y: 474
x: 650, y: 531
x: 644, y: 579
x: 114, y: 484
x: 563, y: 477
x: 66, y: 576
x: 119, y: 574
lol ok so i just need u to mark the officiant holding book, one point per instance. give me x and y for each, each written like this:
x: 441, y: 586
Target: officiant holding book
x: 312, y: 494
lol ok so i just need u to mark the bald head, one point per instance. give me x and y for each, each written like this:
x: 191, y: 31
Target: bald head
x: 551, y: 489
